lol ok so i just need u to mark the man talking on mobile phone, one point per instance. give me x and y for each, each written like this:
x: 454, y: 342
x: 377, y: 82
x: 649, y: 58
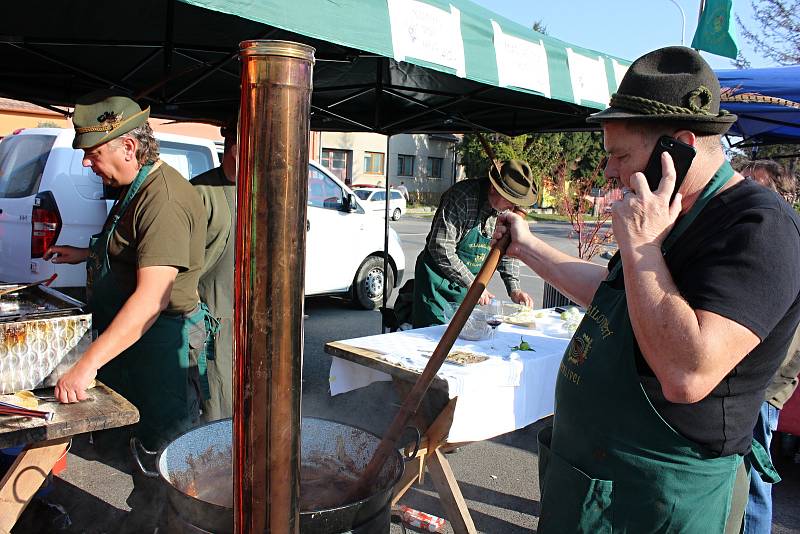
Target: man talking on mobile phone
x: 658, y: 392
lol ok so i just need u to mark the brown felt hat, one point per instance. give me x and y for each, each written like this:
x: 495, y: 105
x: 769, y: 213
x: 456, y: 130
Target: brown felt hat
x: 514, y: 182
x: 102, y: 116
x: 672, y: 84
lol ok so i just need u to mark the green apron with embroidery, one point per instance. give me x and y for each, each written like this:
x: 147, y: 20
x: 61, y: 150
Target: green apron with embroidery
x: 433, y: 293
x: 610, y: 463
x: 160, y: 373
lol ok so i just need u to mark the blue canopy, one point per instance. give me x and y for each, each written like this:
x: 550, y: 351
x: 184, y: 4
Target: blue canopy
x: 767, y: 102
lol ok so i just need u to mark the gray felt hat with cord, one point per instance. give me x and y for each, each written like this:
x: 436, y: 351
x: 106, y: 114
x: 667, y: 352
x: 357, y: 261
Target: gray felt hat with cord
x: 674, y: 85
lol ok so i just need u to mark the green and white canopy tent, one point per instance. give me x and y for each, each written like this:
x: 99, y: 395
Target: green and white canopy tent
x: 386, y: 66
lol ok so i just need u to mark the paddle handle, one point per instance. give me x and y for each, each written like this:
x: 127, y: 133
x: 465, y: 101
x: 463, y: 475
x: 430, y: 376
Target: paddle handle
x: 411, y: 403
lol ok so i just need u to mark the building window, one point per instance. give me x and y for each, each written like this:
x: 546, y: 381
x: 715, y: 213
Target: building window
x: 435, y: 167
x: 373, y: 162
x: 338, y: 162
x: 405, y: 165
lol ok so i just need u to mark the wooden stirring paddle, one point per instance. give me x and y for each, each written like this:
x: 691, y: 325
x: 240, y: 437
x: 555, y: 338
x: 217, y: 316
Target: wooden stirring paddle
x: 388, y: 443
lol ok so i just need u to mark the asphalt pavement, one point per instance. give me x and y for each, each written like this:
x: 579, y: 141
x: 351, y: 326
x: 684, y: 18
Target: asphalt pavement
x: 498, y: 477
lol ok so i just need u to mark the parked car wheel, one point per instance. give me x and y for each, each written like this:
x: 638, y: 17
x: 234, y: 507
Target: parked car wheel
x: 368, y: 284
x: 396, y: 214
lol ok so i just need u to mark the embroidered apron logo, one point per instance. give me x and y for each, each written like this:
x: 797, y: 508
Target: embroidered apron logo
x: 600, y: 318
x: 569, y: 374
x: 579, y: 349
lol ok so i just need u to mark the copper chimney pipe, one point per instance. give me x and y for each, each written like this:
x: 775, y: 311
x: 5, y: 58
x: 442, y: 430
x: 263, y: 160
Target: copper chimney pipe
x: 270, y: 268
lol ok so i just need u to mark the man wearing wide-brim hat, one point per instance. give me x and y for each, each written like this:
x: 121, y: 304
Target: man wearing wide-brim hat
x: 658, y: 392
x: 142, y: 275
x: 458, y: 242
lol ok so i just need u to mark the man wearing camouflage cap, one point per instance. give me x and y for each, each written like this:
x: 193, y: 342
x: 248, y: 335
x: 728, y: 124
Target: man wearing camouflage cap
x: 142, y: 274
x: 659, y: 390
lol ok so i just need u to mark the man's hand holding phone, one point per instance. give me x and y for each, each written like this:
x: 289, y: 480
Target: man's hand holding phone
x: 682, y: 156
x: 644, y: 217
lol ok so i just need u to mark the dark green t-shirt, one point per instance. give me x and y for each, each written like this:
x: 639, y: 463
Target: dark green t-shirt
x: 165, y: 224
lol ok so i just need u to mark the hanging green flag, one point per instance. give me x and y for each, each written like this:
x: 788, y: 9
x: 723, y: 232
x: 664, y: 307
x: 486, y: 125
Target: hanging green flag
x: 715, y: 29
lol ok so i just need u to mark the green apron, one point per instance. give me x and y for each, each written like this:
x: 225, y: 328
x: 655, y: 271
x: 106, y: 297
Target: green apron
x: 216, y: 291
x: 610, y: 462
x: 160, y: 373
x: 433, y: 293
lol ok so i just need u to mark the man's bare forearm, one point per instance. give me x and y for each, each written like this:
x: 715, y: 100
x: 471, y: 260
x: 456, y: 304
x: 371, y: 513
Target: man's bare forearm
x: 135, y: 317
x: 690, y: 351
x: 576, y: 278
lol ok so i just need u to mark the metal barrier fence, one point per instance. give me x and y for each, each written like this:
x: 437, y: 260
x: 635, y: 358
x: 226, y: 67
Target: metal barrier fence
x: 552, y: 298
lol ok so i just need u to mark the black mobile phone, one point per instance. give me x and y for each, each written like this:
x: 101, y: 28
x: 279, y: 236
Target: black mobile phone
x: 682, y: 156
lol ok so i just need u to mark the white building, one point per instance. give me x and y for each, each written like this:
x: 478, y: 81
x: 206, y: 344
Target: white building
x: 425, y: 163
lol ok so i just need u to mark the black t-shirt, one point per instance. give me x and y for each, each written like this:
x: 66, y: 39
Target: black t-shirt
x: 739, y: 259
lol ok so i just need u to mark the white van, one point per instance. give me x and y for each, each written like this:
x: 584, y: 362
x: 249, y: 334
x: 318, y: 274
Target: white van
x: 344, y: 245
x: 47, y: 197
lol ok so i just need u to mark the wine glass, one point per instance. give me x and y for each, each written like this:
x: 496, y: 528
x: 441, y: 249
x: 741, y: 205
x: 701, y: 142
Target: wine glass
x: 494, y: 316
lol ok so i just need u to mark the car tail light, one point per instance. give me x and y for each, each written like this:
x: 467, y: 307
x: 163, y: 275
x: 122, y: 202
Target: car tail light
x: 45, y: 224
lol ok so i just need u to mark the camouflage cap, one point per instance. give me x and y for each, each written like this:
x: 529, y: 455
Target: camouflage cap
x: 102, y: 116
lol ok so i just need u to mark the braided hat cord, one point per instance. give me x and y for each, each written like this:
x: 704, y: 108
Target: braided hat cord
x: 646, y: 106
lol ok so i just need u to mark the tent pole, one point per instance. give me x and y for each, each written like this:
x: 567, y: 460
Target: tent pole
x: 386, y: 288
x: 214, y: 68
x: 217, y: 66
x: 342, y: 118
x: 168, y: 44
x: 141, y: 64
x: 61, y: 63
x: 381, y: 65
x: 452, y: 102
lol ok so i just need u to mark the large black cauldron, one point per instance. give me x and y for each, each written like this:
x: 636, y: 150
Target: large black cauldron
x: 196, y: 467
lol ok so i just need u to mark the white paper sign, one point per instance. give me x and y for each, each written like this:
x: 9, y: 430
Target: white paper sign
x: 619, y: 72
x: 521, y: 63
x: 588, y: 75
x: 425, y: 32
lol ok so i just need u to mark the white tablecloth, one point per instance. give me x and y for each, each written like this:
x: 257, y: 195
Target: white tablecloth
x: 510, y: 390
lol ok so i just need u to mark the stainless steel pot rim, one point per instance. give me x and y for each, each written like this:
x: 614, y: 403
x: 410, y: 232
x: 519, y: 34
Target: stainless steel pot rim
x: 162, y: 467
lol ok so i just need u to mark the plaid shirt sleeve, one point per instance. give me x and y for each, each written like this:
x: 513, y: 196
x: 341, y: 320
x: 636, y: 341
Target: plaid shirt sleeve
x: 509, y: 272
x: 449, y: 226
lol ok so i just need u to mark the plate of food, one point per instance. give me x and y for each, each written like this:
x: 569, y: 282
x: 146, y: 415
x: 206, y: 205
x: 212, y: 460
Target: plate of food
x: 519, y: 315
x: 463, y: 357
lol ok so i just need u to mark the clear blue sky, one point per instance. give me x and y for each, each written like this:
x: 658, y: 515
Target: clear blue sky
x: 623, y: 28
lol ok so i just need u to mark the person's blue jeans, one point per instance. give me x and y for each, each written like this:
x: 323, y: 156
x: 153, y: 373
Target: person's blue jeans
x: 758, y: 514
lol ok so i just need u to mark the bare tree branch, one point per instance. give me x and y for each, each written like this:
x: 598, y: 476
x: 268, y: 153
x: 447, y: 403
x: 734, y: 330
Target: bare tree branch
x: 778, y: 37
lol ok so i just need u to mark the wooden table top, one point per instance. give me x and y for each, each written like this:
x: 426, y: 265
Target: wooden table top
x: 374, y: 360
x: 105, y: 408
